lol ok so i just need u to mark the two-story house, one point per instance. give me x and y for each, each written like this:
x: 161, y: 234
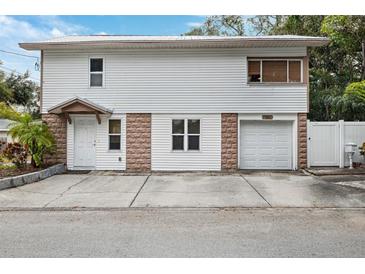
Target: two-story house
x: 177, y: 103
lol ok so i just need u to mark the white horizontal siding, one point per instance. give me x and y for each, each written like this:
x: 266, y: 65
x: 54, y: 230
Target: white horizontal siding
x: 209, y: 156
x: 105, y: 158
x: 170, y: 81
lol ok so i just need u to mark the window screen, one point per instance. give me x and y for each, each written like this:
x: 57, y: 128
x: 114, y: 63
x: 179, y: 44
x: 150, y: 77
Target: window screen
x: 274, y: 71
x: 295, y: 71
x: 254, y: 71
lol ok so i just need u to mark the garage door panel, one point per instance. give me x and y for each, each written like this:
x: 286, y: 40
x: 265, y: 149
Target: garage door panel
x: 250, y: 152
x: 252, y: 138
x: 266, y: 145
x: 265, y: 138
x: 266, y: 152
x: 281, y: 139
x: 282, y: 152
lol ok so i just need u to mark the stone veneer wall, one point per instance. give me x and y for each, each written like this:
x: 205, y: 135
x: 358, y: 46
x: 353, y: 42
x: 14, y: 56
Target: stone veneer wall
x: 302, y: 140
x: 229, y: 145
x: 138, y: 142
x: 58, y: 126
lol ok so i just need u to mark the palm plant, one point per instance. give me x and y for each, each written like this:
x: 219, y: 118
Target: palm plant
x: 33, y: 134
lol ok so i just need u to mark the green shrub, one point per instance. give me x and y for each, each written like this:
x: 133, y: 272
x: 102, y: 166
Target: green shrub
x: 33, y: 134
x: 356, y: 90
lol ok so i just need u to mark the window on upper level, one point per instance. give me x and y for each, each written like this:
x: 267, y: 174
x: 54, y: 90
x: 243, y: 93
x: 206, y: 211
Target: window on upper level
x: 96, y: 72
x: 275, y: 71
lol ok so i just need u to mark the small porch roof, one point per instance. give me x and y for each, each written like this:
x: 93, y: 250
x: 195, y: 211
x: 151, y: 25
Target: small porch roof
x: 79, y: 105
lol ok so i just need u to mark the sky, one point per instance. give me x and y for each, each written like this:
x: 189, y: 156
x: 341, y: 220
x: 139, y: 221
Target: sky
x: 16, y: 29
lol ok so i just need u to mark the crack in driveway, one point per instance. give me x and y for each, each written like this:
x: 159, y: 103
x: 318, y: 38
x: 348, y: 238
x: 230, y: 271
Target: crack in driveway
x: 68, y: 189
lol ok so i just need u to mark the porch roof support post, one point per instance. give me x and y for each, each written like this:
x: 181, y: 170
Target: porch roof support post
x: 67, y: 115
x: 98, y: 117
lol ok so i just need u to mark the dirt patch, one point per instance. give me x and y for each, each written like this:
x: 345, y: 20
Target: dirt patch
x: 13, y: 171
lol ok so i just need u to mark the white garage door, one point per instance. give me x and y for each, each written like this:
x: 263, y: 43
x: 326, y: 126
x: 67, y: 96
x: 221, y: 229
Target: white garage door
x: 266, y: 145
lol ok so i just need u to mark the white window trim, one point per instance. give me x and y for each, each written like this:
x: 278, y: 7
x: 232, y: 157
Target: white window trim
x: 115, y: 134
x: 287, y: 70
x: 186, y: 136
x: 192, y: 134
x: 97, y: 72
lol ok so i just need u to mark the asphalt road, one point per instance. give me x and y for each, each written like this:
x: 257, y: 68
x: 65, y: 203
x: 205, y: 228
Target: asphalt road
x: 184, y: 233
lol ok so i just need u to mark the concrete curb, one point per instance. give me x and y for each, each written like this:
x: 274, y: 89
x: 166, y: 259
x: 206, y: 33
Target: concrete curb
x: 336, y: 171
x: 177, y: 209
x: 31, y: 177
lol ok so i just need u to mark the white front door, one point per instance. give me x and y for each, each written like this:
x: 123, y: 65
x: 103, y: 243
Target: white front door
x: 85, y: 139
x: 266, y: 145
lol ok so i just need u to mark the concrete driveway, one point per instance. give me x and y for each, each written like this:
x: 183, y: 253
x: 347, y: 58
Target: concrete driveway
x: 182, y: 190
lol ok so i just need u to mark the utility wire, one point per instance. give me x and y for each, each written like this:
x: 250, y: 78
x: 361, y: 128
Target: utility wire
x: 20, y: 54
x: 19, y: 73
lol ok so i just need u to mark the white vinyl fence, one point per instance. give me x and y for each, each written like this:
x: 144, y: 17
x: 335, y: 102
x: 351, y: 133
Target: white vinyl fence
x: 326, y: 142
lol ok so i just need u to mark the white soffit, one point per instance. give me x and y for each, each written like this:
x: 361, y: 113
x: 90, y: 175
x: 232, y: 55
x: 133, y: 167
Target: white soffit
x: 120, y: 41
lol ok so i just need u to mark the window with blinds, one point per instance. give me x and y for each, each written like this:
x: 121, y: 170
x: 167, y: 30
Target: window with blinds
x: 274, y: 71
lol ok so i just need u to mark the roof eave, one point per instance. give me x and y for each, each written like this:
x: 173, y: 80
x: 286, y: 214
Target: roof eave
x: 57, y: 109
x: 179, y: 44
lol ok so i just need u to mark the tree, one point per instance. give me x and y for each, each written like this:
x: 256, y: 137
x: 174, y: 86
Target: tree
x: 349, y: 33
x: 264, y: 24
x: 24, y: 91
x: 18, y: 90
x: 332, y: 67
x: 33, y: 134
x: 226, y: 25
x: 5, y: 91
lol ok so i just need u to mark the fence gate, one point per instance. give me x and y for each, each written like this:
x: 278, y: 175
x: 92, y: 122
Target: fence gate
x: 323, y: 144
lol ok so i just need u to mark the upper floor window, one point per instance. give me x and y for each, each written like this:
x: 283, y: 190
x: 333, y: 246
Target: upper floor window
x: 275, y: 71
x: 96, y: 72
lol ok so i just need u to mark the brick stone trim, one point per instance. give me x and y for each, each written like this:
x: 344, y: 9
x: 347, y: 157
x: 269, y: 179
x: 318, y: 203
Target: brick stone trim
x: 302, y: 140
x: 58, y: 126
x: 229, y: 143
x: 138, y: 142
